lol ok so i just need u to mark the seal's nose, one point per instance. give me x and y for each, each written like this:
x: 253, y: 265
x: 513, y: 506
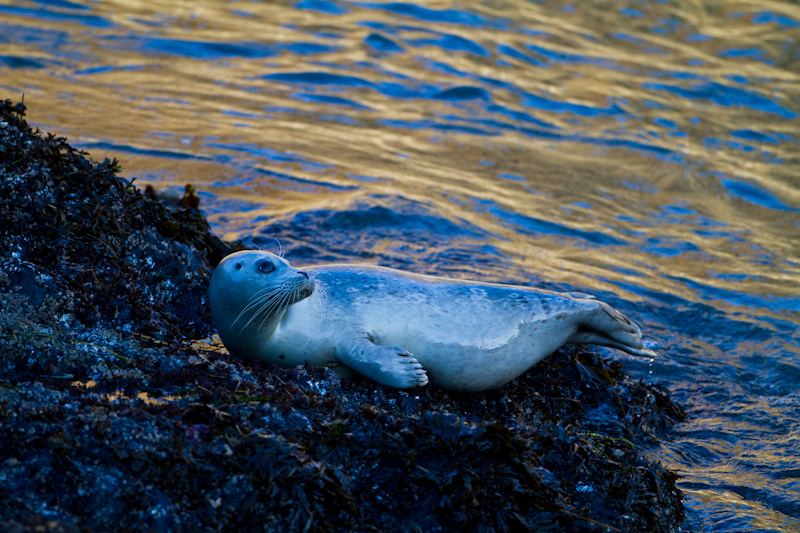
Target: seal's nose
x: 303, y: 273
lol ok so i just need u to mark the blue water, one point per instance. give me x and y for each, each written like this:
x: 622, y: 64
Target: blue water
x: 642, y: 151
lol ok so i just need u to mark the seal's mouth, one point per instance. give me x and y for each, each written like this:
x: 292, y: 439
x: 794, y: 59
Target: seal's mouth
x: 306, y: 290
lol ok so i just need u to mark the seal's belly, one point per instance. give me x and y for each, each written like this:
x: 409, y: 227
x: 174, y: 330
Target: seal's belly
x: 474, y: 350
x: 466, y: 336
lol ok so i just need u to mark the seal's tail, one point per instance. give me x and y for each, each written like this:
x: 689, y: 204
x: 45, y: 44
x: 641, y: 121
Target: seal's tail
x: 608, y: 327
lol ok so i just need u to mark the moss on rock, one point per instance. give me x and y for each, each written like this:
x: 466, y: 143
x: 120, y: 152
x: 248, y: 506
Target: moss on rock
x: 110, y: 418
x: 122, y: 258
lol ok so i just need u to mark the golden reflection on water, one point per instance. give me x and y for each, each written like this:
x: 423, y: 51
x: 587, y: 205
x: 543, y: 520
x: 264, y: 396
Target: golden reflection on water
x: 155, y: 100
x: 758, y: 515
x: 134, y: 89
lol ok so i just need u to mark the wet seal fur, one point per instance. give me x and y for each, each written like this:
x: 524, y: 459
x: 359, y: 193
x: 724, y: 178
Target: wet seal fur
x: 402, y: 329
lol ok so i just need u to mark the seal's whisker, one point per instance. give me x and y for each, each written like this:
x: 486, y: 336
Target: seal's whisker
x: 270, y: 303
x: 242, y: 313
x: 258, y: 298
x: 321, y: 300
x: 248, y: 308
x: 266, y: 306
x: 256, y: 303
x: 253, y: 304
x: 278, y: 303
x: 282, y: 302
x: 255, y: 314
x: 260, y: 292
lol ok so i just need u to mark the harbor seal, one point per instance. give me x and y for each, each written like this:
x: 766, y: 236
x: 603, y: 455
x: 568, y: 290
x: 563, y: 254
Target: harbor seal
x: 402, y: 329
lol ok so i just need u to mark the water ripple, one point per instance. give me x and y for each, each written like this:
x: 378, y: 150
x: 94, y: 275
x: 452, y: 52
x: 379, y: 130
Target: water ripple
x: 645, y: 152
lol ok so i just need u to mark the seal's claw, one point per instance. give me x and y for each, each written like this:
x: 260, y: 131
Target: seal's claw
x: 410, y: 373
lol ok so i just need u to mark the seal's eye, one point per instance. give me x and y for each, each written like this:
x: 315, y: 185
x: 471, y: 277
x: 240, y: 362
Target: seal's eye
x: 266, y: 267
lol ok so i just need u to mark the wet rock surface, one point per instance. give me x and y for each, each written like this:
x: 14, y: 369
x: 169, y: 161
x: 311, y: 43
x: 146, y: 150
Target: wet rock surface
x: 114, y: 414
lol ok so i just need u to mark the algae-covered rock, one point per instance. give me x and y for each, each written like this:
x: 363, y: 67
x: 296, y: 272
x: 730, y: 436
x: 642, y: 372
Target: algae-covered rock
x: 112, y: 419
x: 81, y: 247
x: 123, y: 258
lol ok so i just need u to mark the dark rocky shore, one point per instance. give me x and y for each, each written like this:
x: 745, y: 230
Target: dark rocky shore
x: 115, y: 414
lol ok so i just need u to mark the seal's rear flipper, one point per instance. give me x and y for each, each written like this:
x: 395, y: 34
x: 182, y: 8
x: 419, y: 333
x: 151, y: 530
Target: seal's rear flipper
x: 608, y: 327
x: 591, y: 337
x: 387, y: 365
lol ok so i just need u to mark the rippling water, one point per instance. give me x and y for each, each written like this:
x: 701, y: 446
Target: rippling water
x: 643, y: 151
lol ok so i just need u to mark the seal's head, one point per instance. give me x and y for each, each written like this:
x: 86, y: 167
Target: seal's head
x: 251, y: 290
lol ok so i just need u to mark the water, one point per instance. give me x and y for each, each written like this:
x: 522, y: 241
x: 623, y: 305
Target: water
x: 645, y: 152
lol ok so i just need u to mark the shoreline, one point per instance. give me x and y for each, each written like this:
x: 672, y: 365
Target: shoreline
x: 102, y: 285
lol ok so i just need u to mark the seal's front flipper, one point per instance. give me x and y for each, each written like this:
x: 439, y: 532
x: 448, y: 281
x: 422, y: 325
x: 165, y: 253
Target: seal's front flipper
x: 387, y: 365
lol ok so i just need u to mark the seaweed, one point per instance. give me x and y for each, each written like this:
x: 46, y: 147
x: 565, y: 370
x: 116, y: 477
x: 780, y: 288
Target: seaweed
x: 120, y: 258
x: 118, y: 412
